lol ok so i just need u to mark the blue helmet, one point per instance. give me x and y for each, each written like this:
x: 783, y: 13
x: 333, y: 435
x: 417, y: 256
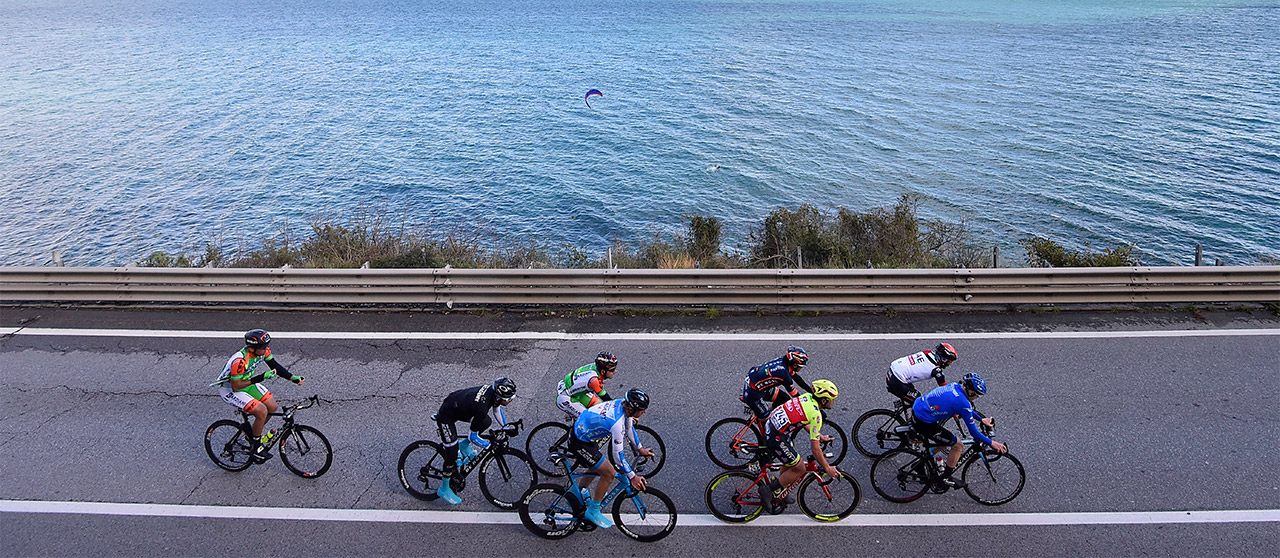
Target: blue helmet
x: 975, y: 382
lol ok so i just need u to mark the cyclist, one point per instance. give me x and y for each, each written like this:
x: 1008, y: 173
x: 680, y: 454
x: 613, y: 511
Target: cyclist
x: 584, y: 388
x: 608, y: 420
x: 904, y: 372
x: 803, y: 411
x: 240, y: 388
x: 474, y: 405
x: 761, y: 390
x: 934, y: 408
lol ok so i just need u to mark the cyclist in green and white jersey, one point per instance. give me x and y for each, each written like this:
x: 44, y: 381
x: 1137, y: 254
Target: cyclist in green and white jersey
x: 242, y: 389
x: 584, y: 388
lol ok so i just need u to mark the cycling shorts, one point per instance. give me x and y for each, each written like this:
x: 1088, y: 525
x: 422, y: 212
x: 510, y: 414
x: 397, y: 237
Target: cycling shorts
x: 900, y: 389
x: 587, y: 454
x: 569, y: 406
x: 762, y: 403
x: 934, y: 431
x: 246, y: 399
x: 779, y: 443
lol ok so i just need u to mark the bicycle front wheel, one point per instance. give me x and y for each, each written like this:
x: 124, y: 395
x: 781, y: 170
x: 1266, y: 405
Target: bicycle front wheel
x: 995, y: 480
x: 901, y: 475
x: 735, y: 496
x: 306, y: 452
x: 542, y: 441
x: 830, y: 501
x: 228, y: 445
x: 874, y: 433
x: 505, y: 476
x: 421, y: 470
x: 548, y: 512
x: 647, y: 466
x: 645, y: 516
x: 732, y: 443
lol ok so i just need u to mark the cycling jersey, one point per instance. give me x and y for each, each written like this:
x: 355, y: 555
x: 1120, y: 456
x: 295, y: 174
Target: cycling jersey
x: 772, y: 374
x: 583, y: 385
x: 240, y: 366
x: 913, y: 368
x: 795, y: 414
x: 607, y: 420
x: 474, y: 405
x: 939, y: 404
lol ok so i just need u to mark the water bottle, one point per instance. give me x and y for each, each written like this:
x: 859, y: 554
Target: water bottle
x: 941, y: 459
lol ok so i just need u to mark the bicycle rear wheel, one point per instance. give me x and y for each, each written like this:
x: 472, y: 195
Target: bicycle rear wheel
x: 542, y: 441
x: 505, y: 476
x: 228, y: 445
x: 305, y: 451
x: 995, y: 480
x: 874, y: 432
x: 421, y: 470
x: 645, y: 516
x: 735, y: 496
x: 647, y: 466
x: 732, y: 443
x: 832, y: 501
x: 548, y: 512
x: 901, y: 475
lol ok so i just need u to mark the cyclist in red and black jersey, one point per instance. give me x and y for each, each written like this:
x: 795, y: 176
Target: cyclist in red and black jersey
x: 774, y: 382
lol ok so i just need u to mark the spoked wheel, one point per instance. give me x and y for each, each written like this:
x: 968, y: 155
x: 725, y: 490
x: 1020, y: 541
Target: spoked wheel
x: 645, y: 516
x: 901, y: 475
x: 542, y: 441
x: 732, y: 444
x: 505, y: 476
x: 735, y: 496
x: 839, y: 445
x: 306, y: 452
x: 546, y: 511
x: 995, y: 480
x: 874, y: 434
x: 828, y: 499
x: 421, y: 470
x: 647, y: 466
x: 228, y: 445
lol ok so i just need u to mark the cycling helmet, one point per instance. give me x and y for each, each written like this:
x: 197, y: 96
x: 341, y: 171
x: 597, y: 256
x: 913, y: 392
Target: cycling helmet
x: 945, y: 352
x: 505, y: 388
x: 796, y: 358
x: 257, y: 339
x: 825, y: 389
x: 637, y: 399
x: 606, y: 362
x: 975, y: 382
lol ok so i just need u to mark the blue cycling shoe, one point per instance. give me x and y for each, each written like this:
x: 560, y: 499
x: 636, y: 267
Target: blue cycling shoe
x: 445, y: 493
x: 593, y: 515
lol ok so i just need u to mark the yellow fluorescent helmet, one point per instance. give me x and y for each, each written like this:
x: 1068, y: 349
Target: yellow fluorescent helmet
x: 825, y: 389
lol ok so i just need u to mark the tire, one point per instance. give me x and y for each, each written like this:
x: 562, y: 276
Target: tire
x: 830, y: 502
x: 548, y: 512
x: 644, y: 466
x: 732, y: 444
x: 901, y: 475
x: 420, y: 469
x: 659, y: 515
x: 873, y: 432
x: 505, y: 477
x: 541, y: 442
x: 735, y: 496
x: 228, y: 445
x: 305, y: 451
x: 994, y: 481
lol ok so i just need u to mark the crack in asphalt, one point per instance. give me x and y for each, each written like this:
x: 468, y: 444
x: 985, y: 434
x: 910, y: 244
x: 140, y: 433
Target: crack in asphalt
x: 197, y: 487
x: 373, y: 479
x: 89, y: 392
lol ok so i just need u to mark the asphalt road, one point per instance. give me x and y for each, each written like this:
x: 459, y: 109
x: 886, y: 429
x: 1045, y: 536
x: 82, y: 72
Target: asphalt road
x: 1118, y: 422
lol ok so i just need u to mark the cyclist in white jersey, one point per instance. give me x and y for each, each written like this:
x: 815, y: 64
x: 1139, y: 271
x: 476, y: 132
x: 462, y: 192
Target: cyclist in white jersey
x: 904, y: 372
x: 584, y: 388
x: 240, y: 388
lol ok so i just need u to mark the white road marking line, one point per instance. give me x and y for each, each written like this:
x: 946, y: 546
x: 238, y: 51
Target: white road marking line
x: 684, y: 520
x: 563, y: 336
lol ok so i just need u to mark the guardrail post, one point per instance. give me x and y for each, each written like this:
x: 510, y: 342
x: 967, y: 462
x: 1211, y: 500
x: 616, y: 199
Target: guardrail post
x: 610, y: 251
x: 57, y: 258
x: 1219, y: 262
x: 995, y: 256
x: 799, y: 258
x: 1199, y: 255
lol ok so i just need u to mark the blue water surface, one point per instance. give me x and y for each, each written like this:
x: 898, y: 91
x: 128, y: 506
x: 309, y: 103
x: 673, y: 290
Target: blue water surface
x: 128, y: 126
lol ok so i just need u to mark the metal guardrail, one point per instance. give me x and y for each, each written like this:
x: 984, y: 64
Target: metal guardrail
x: 419, y: 287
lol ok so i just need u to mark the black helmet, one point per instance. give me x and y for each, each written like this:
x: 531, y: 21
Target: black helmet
x: 505, y: 388
x: 257, y: 339
x: 637, y: 399
x: 945, y: 352
x: 796, y: 358
x: 606, y: 362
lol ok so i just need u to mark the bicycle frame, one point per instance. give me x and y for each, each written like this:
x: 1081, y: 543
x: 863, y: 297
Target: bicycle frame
x: 287, y: 413
x: 500, y: 438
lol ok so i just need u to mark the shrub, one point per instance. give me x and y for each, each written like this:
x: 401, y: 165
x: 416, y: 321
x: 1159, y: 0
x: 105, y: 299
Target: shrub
x: 1042, y: 252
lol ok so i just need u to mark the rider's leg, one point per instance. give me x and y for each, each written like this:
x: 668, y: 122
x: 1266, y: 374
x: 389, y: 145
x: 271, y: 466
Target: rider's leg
x: 953, y: 457
x: 448, y: 436
x: 259, y: 412
x: 607, y: 474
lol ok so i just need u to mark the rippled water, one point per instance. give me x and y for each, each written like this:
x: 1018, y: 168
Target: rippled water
x: 129, y: 126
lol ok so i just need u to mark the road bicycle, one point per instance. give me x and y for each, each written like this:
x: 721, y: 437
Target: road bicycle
x: 505, y: 472
x: 739, y: 497
x: 552, y: 437
x: 552, y: 511
x: 907, y: 473
x: 733, y: 443
x: 303, y: 449
x: 875, y: 432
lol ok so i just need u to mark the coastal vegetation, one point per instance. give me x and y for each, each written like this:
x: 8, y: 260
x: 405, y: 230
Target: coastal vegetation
x: 806, y: 237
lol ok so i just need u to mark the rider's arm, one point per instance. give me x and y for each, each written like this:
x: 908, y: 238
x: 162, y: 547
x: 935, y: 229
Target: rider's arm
x: 280, y: 370
x: 939, y: 376
x: 597, y: 386
x: 967, y: 415
x: 802, y: 383
x: 479, y: 424
x: 619, y: 431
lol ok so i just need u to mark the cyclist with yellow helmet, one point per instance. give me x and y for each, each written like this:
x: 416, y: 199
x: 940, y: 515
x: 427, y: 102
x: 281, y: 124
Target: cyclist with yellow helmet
x: 803, y: 411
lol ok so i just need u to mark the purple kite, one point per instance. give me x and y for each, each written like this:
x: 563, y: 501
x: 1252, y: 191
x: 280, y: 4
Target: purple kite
x: 589, y: 94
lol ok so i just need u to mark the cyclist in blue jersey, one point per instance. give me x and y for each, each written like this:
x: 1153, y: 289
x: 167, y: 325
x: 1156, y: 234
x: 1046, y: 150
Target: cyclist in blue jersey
x: 934, y: 408
x: 613, y: 420
x: 765, y: 384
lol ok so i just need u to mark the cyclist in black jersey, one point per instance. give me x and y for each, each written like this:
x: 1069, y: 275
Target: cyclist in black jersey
x: 473, y: 405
